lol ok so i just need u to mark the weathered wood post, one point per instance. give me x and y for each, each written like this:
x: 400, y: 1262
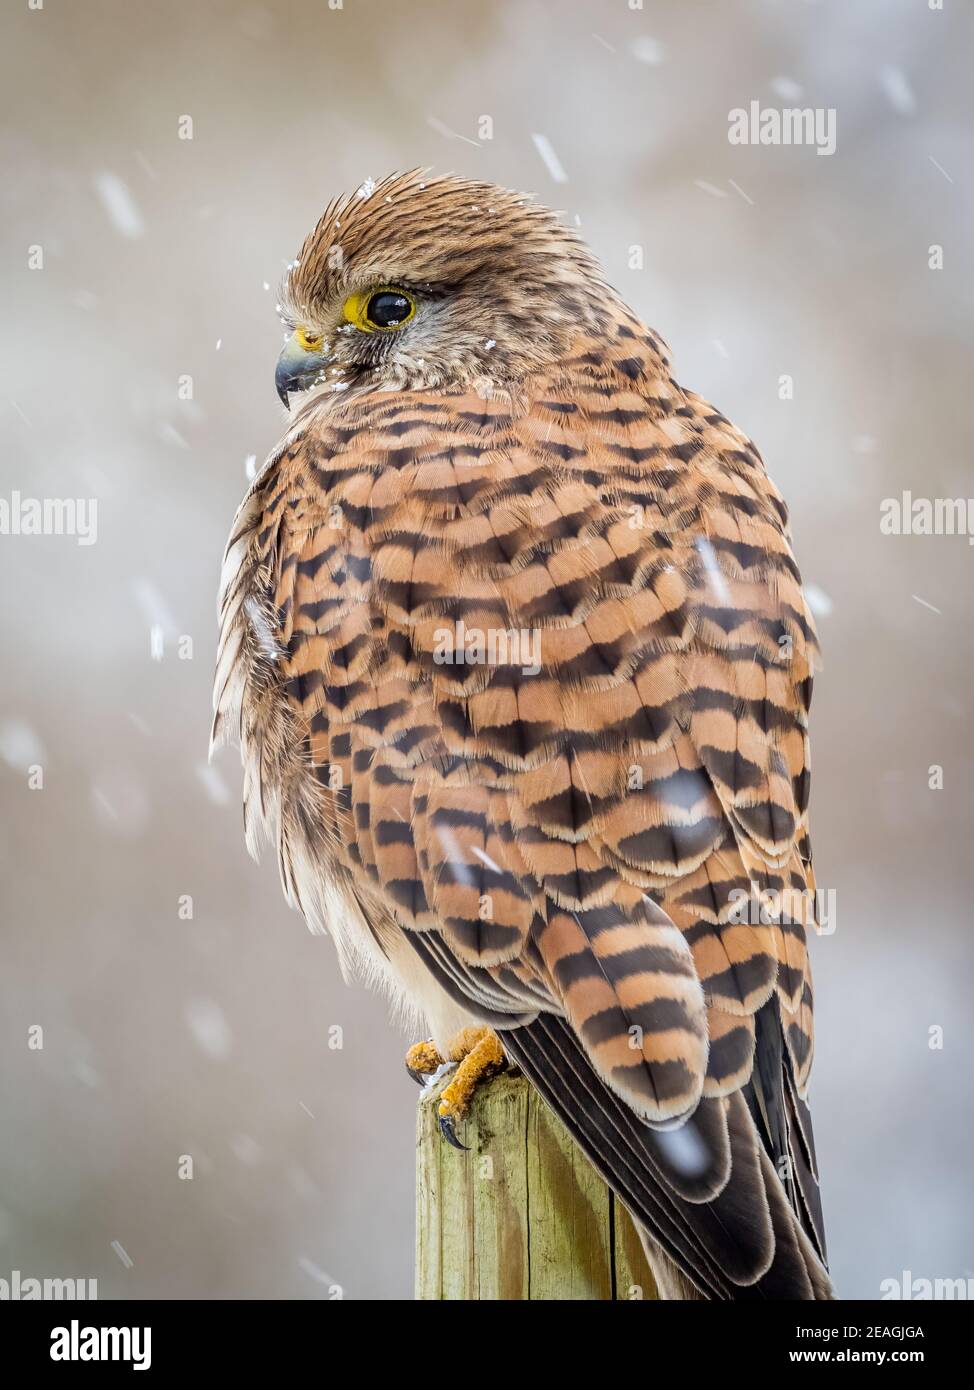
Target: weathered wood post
x: 520, y: 1215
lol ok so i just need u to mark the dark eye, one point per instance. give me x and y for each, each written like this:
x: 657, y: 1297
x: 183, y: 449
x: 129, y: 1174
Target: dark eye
x: 388, y: 309
x: 380, y: 310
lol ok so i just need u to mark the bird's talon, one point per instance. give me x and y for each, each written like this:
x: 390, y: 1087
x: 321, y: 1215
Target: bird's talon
x: 448, y: 1130
x: 479, y: 1055
x: 422, y: 1061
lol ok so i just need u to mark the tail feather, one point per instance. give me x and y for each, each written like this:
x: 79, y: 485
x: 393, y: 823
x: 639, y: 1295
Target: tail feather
x: 741, y: 1241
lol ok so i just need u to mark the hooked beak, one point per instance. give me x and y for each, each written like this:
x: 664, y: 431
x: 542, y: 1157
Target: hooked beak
x: 299, y: 367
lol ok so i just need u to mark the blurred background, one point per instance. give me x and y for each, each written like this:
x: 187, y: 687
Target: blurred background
x: 137, y: 370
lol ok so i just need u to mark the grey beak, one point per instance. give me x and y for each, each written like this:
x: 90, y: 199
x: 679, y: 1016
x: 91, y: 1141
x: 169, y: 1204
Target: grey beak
x: 297, y: 369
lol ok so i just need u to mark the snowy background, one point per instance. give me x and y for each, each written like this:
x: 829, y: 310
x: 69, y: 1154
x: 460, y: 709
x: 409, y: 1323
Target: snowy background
x: 161, y: 256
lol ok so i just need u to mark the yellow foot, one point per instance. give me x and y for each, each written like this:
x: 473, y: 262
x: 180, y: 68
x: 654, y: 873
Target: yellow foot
x: 422, y: 1060
x: 479, y: 1055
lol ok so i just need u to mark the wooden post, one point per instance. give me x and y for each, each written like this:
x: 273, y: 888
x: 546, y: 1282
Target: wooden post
x: 520, y: 1215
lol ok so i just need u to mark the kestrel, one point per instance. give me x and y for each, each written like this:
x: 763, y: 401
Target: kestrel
x: 520, y: 664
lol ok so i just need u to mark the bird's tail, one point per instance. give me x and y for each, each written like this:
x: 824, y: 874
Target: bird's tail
x: 796, y: 1272
x: 714, y: 1216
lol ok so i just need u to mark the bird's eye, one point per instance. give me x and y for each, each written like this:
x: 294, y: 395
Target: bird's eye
x: 387, y: 309
x: 382, y: 310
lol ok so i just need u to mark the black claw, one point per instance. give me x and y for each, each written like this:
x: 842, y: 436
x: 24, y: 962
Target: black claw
x: 449, y: 1132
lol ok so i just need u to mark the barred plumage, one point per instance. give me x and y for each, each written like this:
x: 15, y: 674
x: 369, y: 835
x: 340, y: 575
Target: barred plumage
x: 592, y: 834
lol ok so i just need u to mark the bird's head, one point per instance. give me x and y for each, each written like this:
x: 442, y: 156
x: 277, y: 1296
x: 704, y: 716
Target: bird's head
x: 435, y: 282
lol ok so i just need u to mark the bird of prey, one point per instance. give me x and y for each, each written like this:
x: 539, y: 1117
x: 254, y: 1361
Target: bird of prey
x: 518, y: 656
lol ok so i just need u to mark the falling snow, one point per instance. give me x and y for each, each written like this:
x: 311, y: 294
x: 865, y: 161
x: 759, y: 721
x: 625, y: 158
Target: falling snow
x: 20, y: 745
x: 647, y: 50
x: 246, y: 1149
x: 170, y: 435
x: 787, y: 88
x: 684, y: 1149
x: 122, y: 1254
x: 739, y: 190
x: 120, y: 803
x: 486, y: 859
x: 153, y: 607
x: 924, y: 603
x: 214, y: 785
x: 315, y: 1272
x: 122, y: 210
x: 209, y: 1028
x: 551, y: 161
x: 435, y: 124
x: 818, y: 601
x: 715, y: 577
x: 898, y: 91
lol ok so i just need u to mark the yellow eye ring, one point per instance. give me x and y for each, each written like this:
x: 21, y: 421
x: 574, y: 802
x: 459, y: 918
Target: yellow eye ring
x: 311, y: 342
x: 383, y: 309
